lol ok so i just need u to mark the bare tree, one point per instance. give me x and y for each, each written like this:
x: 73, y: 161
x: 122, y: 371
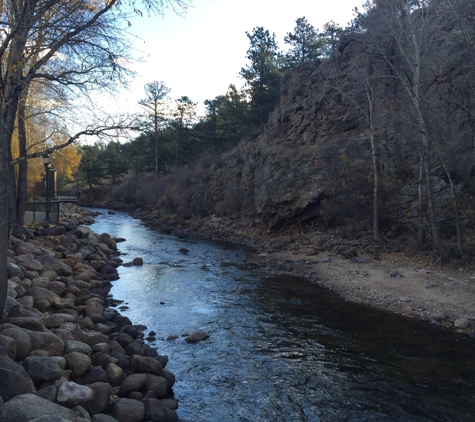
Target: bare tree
x: 79, y: 44
x: 358, y: 88
x: 404, y: 23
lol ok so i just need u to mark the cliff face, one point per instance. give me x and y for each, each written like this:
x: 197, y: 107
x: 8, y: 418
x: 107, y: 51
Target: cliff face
x: 313, y: 160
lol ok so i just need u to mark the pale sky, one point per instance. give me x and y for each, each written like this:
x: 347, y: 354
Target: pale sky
x: 201, y: 53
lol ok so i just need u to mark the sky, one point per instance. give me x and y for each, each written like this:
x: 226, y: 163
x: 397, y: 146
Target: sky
x: 200, y: 53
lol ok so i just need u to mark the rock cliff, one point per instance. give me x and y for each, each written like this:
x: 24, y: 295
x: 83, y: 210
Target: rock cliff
x: 312, y: 163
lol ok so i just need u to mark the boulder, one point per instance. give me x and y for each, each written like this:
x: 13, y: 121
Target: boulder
x: 91, y: 338
x: 55, y: 320
x: 79, y: 363
x: 197, y: 336
x: 115, y: 374
x: 156, y: 411
x: 101, y: 398
x: 22, y: 341
x: 13, y: 384
x: 7, y: 346
x: 127, y: 410
x: 14, y: 270
x: 95, y: 374
x: 134, y: 382
x: 138, y: 261
x: 158, y: 385
x: 29, y: 322
x: 27, y: 407
x: 77, y: 346
x: 54, y: 264
x: 48, y: 393
x: 170, y: 377
x: 462, y: 323
x: 144, y: 364
x: 71, y: 394
x: 29, y: 263
x: 42, y: 368
x: 46, y: 341
x: 103, y: 418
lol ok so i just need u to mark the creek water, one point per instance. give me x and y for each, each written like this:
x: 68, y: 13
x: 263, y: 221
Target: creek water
x: 282, y: 348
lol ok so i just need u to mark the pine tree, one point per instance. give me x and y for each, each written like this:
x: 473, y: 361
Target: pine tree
x: 306, y: 45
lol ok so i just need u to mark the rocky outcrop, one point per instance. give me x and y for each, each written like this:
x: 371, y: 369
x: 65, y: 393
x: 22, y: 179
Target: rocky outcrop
x: 65, y: 353
x: 313, y: 161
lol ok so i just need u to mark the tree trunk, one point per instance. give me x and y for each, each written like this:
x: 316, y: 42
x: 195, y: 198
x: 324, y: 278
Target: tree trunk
x: 420, y: 231
x: 155, y: 138
x: 22, y: 194
x: 4, y: 216
x: 458, y: 228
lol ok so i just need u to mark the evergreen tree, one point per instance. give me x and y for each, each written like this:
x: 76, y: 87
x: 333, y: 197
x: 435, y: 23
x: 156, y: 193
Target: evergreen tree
x: 183, y: 117
x: 226, y: 118
x: 155, y: 106
x: 305, y: 43
x: 114, y: 160
x: 91, y: 167
x: 330, y: 37
x: 262, y: 74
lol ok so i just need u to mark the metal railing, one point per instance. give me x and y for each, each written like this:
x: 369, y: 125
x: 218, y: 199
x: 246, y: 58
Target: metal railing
x: 39, y: 211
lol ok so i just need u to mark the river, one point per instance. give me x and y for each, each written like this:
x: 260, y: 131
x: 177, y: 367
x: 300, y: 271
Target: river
x: 282, y: 348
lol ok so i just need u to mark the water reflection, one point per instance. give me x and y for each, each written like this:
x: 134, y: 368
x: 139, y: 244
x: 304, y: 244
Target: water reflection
x: 282, y: 349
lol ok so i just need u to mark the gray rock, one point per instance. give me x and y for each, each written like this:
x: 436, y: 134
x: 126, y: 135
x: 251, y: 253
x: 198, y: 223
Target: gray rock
x: 13, y: 384
x: 197, y: 336
x: 79, y: 363
x: 29, y: 322
x: 144, y: 364
x: 103, y: 418
x: 137, y: 261
x: 134, y: 349
x: 47, y: 393
x: 124, y: 339
x: 100, y: 402
x: 46, y: 341
x: 169, y: 404
x: 154, y: 411
x: 462, y: 323
x: 7, y: 346
x: 170, y: 377
x: 134, y: 382
x: 55, y: 320
x: 27, y: 407
x: 95, y: 374
x: 127, y: 410
x: 439, y: 316
x: 42, y: 368
x: 22, y: 341
x: 14, y: 270
x: 29, y: 263
x: 158, y: 385
x: 7, y: 363
x: 71, y: 394
x: 91, y: 338
x: 51, y: 263
x: 115, y: 374
x: 77, y: 346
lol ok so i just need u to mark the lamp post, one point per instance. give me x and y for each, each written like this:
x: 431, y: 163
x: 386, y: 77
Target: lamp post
x: 46, y: 162
x: 77, y: 188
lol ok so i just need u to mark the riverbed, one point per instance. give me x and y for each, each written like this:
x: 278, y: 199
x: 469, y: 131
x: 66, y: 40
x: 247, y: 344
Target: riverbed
x: 283, y: 348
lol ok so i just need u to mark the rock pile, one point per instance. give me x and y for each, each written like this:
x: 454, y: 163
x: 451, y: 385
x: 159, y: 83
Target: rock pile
x: 65, y: 354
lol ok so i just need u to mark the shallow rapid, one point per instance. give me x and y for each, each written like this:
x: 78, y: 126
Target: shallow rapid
x: 282, y: 348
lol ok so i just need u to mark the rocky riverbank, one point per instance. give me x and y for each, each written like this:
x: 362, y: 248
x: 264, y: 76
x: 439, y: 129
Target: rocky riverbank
x: 393, y: 277
x: 66, y: 353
